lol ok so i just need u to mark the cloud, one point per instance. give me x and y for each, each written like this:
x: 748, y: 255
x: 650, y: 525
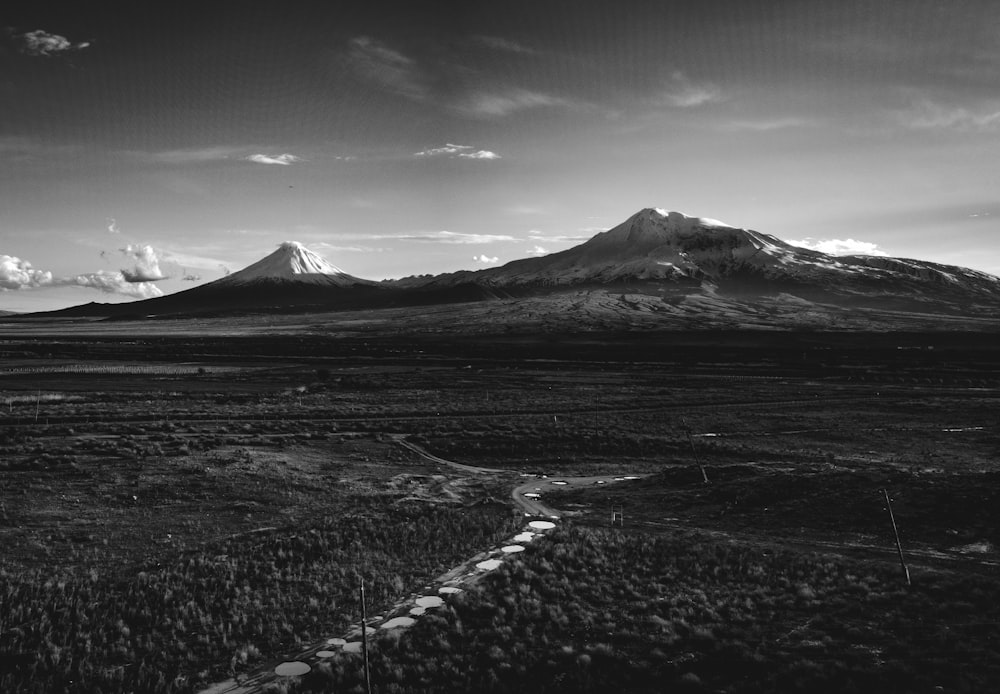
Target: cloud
x: 537, y: 250
x: 280, y: 159
x: 486, y: 260
x: 113, y: 226
x: 195, y: 155
x: 147, y: 264
x: 449, y: 237
x: 497, y: 104
x: 681, y: 92
x: 460, y: 151
x: 374, y: 61
x: 114, y: 283
x: 501, y: 44
x: 927, y: 114
x: 479, y: 154
x: 18, y: 274
x: 189, y: 260
x: 42, y: 43
x: 768, y: 124
x: 454, y: 237
x: 349, y: 249
x: 447, y: 149
x: 839, y: 246
x: 557, y: 238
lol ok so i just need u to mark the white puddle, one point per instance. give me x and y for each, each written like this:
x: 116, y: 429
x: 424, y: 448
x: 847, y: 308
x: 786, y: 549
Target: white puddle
x: 560, y: 482
x: 449, y: 590
x: 533, y: 495
x: 541, y: 525
x: 489, y: 564
x: 512, y: 549
x: 524, y: 537
x: 292, y: 668
x: 953, y: 430
x: 417, y: 611
x: 398, y: 623
x: 352, y: 647
x: 631, y: 477
x: 335, y: 642
x: 325, y: 654
x: 429, y: 601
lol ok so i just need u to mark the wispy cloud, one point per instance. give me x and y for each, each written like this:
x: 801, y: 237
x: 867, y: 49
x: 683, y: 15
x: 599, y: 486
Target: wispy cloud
x: 447, y: 149
x: 322, y: 245
x: 43, y: 43
x: 928, y: 114
x: 500, y: 103
x: 558, y: 238
x: 499, y: 43
x: 454, y: 237
x: 682, y: 92
x: 377, y: 63
x: 194, y: 155
x: 449, y: 237
x: 280, y: 159
x: 485, y: 259
x: 113, y: 226
x: 839, y: 246
x: 190, y: 260
x: 479, y: 154
x: 537, y: 250
x: 457, y: 151
x: 768, y: 124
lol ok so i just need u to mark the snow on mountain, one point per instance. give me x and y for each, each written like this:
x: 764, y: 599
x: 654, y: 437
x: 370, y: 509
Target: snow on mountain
x: 665, y: 265
x: 293, y: 262
x: 667, y: 251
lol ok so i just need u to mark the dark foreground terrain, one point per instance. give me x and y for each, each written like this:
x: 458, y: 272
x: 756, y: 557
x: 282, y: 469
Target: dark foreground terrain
x: 177, y: 509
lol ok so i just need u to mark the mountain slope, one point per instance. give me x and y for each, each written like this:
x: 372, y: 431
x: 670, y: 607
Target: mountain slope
x: 292, y: 263
x: 674, y: 270
x: 668, y: 252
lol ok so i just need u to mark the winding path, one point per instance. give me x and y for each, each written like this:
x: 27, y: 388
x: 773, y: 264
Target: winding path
x: 527, y: 496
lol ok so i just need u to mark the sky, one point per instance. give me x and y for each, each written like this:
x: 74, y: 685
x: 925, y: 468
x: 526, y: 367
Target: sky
x: 149, y: 147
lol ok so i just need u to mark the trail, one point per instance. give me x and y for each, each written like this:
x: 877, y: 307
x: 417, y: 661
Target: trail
x: 462, y: 575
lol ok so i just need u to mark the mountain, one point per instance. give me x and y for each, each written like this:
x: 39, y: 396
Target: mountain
x: 657, y: 269
x: 292, y: 263
x: 290, y: 278
x: 664, y: 252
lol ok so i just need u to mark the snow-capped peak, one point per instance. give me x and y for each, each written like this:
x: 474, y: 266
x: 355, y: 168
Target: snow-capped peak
x: 292, y: 261
x: 681, y: 218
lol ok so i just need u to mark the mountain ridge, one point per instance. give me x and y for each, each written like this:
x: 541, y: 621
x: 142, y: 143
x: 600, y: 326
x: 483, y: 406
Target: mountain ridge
x: 663, y: 259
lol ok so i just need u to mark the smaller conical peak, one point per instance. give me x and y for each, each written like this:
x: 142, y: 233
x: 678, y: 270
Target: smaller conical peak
x: 299, y: 260
x: 291, y: 261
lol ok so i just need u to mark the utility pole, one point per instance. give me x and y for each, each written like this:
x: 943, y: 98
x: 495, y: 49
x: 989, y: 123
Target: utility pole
x: 364, y: 639
x: 618, y: 515
x: 697, y: 458
x: 895, y: 532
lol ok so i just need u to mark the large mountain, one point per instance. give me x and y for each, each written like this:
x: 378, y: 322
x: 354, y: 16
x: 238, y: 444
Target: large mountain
x: 656, y: 268
x: 662, y: 252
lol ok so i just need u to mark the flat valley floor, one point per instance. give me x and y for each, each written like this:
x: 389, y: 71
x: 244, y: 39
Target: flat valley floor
x: 176, y: 509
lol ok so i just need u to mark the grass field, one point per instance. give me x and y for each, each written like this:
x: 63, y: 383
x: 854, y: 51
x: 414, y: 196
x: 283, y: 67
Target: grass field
x: 255, y: 478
